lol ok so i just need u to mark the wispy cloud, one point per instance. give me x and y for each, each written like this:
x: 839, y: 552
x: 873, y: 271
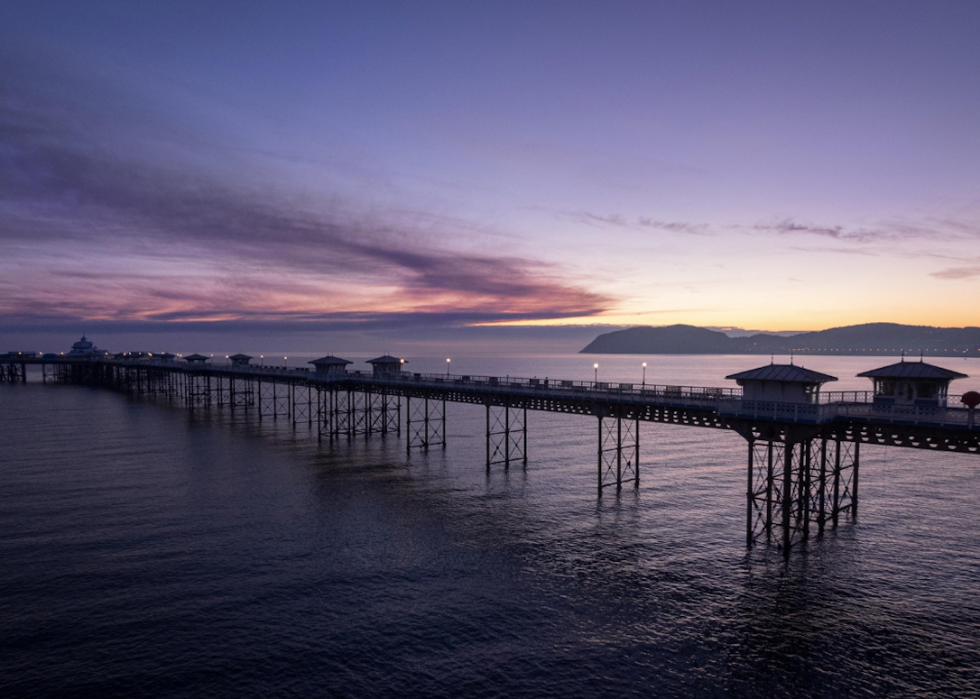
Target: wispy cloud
x: 161, y: 238
x: 789, y: 226
x: 957, y: 273
x: 836, y: 250
x: 886, y: 232
x: 636, y: 223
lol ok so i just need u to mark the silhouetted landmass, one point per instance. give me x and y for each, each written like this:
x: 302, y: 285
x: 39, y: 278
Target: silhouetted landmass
x: 870, y: 338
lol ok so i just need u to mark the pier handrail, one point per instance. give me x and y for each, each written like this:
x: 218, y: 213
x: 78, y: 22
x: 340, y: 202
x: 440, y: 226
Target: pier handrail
x: 726, y: 401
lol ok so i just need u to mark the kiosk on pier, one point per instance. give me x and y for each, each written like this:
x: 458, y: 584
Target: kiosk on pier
x: 386, y: 364
x: 911, y: 383
x: 330, y: 365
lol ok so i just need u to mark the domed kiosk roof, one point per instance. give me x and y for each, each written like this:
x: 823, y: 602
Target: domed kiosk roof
x: 330, y: 360
x: 386, y: 359
x: 913, y: 370
x: 786, y: 373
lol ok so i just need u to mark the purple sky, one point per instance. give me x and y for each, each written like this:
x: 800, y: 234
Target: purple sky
x: 352, y: 173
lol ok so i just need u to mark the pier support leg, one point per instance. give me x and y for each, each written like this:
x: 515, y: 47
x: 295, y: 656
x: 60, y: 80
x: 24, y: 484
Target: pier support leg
x: 763, y: 493
x: 786, y: 495
x: 822, y: 488
x: 854, y: 493
x: 425, y: 422
x: 749, y: 498
x: 619, y: 451
x: 506, y: 435
x: 797, y: 488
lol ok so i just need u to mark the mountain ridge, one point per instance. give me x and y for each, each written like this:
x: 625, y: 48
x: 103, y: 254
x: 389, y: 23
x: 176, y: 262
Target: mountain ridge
x: 863, y: 339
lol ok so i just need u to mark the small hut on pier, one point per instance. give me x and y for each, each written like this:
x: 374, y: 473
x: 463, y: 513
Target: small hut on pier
x: 85, y: 348
x: 330, y: 365
x: 782, y: 383
x: 911, y: 383
x: 196, y: 359
x: 240, y: 359
x: 386, y: 364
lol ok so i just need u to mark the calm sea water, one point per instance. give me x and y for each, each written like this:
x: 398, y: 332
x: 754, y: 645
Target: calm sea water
x: 149, y: 552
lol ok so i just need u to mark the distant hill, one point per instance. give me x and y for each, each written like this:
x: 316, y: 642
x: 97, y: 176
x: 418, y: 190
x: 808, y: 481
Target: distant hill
x: 870, y: 338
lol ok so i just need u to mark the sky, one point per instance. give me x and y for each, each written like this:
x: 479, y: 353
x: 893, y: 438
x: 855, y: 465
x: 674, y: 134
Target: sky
x: 256, y: 175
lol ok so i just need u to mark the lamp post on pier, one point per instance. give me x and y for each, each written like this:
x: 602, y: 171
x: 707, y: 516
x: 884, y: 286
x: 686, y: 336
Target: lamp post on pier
x: 596, y: 367
x: 447, y: 366
x: 644, y: 375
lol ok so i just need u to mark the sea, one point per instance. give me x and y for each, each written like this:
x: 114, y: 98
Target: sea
x: 147, y: 551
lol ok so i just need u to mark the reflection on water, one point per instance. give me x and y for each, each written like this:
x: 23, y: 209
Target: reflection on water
x: 148, y: 551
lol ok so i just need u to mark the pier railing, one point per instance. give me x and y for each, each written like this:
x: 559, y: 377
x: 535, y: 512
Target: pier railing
x: 817, y: 413
x: 703, y: 396
x: 728, y: 402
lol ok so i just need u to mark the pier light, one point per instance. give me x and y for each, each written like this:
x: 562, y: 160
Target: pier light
x: 284, y: 360
x: 596, y: 367
x: 448, y: 360
x: 644, y: 374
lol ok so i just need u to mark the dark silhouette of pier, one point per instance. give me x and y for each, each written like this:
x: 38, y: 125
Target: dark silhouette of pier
x: 803, y: 462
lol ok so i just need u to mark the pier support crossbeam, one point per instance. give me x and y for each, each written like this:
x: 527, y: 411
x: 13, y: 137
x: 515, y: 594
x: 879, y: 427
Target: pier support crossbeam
x: 619, y: 451
x: 364, y: 412
x: 384, y: 413
x: 303, y: 405
x: 197, y: 391
x: 274, y: 399
x: 241, y: 393
x: 506, y: 435
x: 324, y: 412
x: 13, y: 373
x: 425, y: 422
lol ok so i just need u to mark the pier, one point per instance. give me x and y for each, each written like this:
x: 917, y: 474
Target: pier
x: 803, y: 444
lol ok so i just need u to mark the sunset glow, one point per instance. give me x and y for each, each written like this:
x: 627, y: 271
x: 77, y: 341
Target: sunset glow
x: 646, y: 166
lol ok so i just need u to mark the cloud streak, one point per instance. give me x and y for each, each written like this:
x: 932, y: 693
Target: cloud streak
x: 886, y: 233
x: 97, y: 228
x: 637, y: 223
x: 957, y: 273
